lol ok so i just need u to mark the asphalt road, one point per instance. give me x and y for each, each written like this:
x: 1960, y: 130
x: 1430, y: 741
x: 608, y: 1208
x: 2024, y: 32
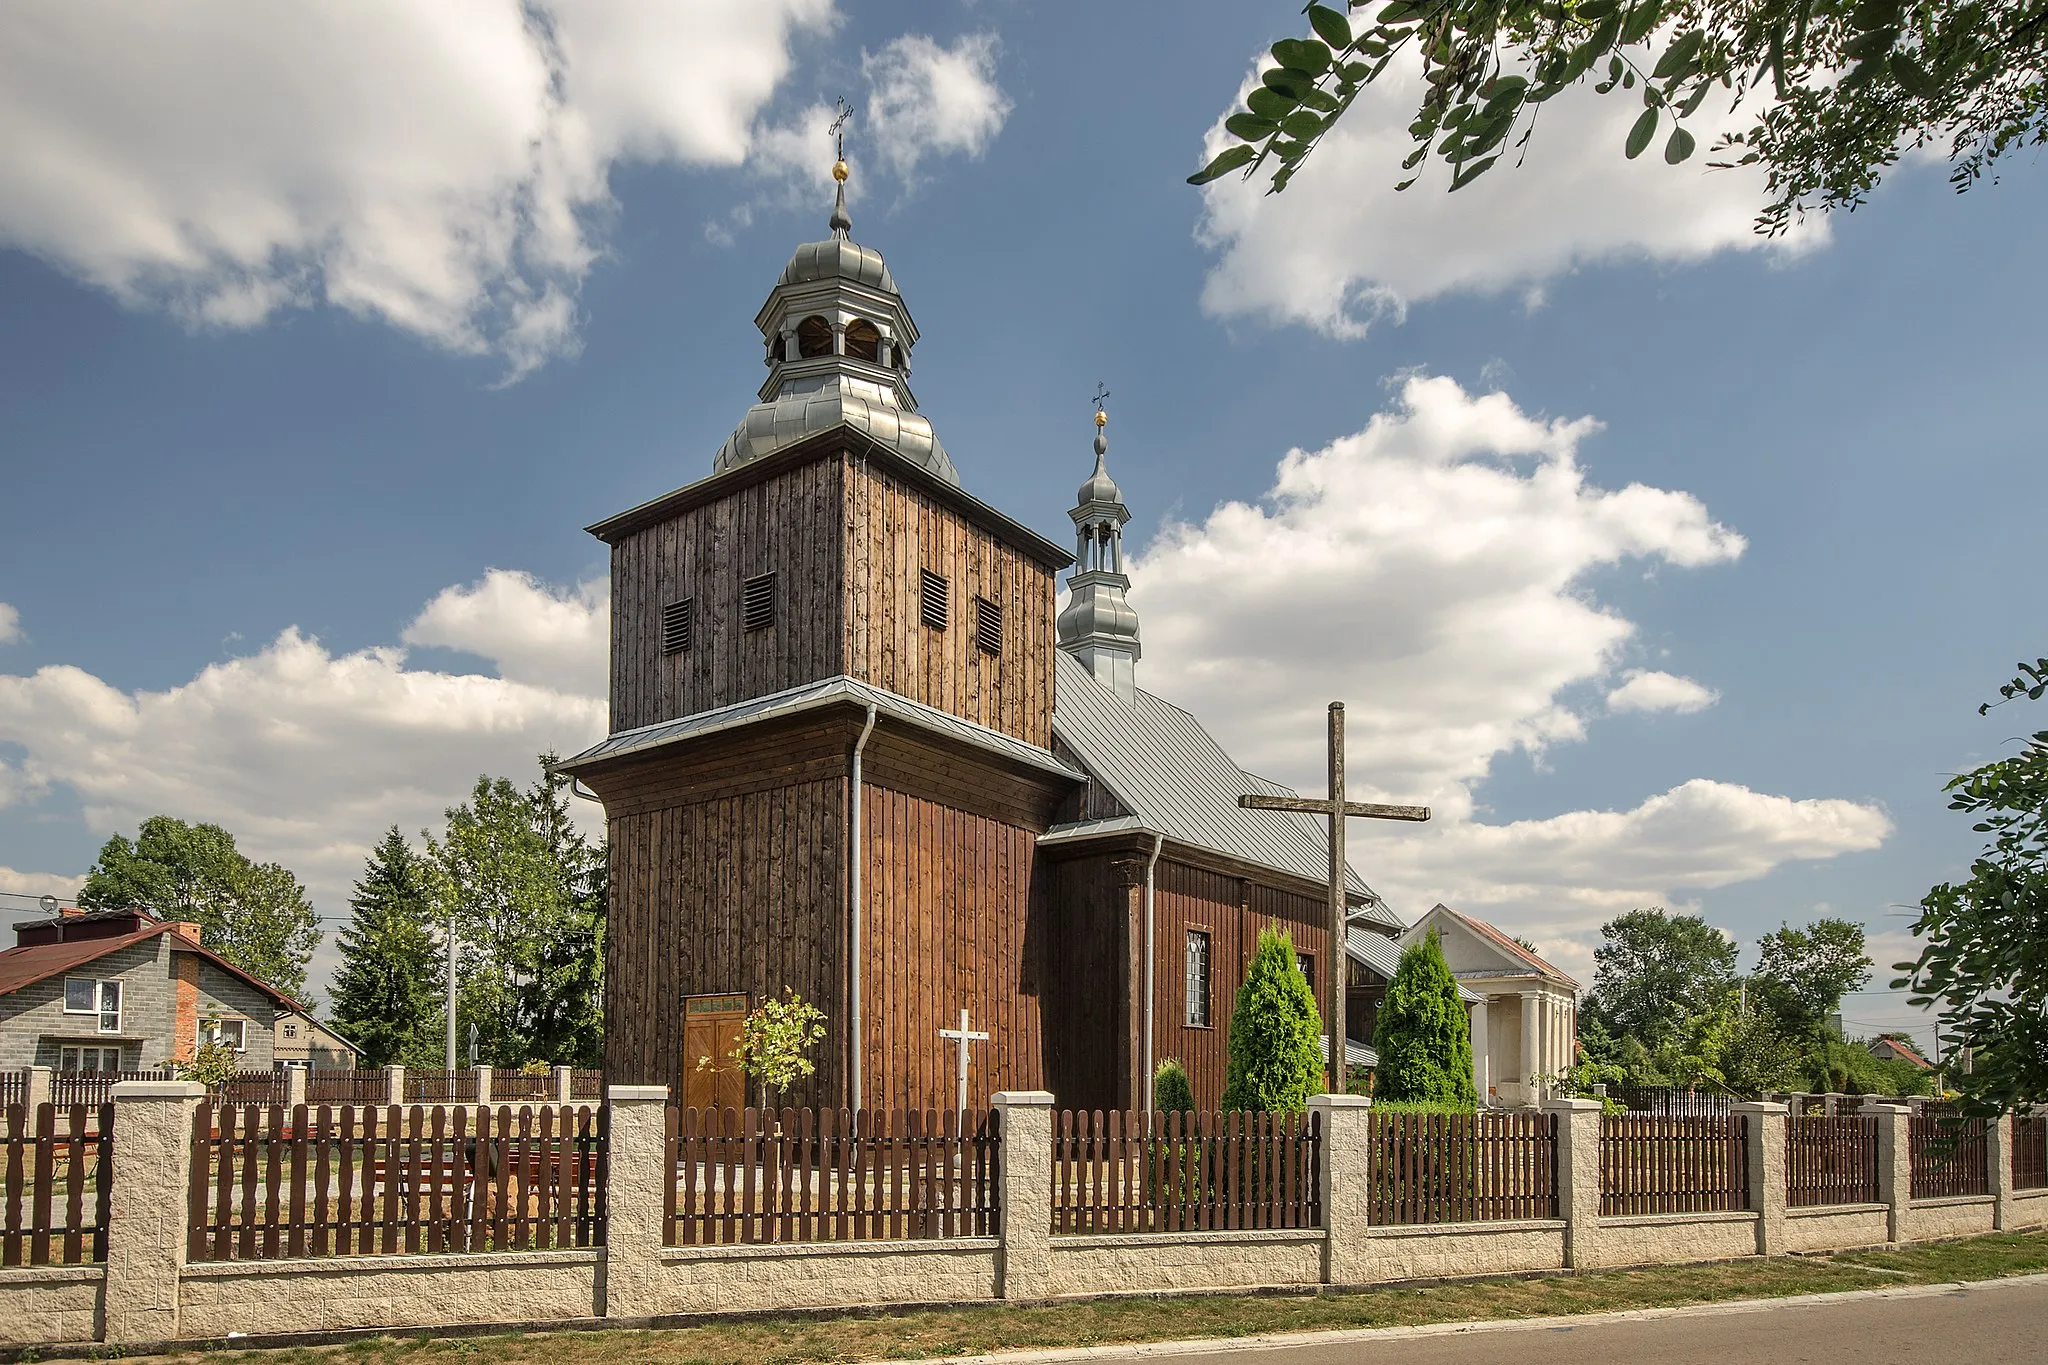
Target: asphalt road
x: 1995, y: 1323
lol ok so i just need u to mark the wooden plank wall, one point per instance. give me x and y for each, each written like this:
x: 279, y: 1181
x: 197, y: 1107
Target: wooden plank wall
x: 1084, y: 985
x: 892, y: 531
x: 790, y: 525
x: 948, y: 924
x: 738, y: 893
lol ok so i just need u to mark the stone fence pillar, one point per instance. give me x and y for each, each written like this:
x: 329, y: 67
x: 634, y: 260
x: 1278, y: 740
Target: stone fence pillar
x: 147, y: 1233
x: 1998, y: 1152
x: 394, y: 1085
x: 294, y: 1087
x: 1346, y: 1177
x: 483, y: 1085
x: 565, y: 1082
x: 1024, y: 1196
x: 1894, y: 1165
x: 38, y: 1091
x: 1766, y: 1137
x: 636, y: 1209
x: 1578, y: 1178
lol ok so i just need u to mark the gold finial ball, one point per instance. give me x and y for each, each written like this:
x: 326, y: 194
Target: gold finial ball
x: 1101, y: 418
x: 840, y: 172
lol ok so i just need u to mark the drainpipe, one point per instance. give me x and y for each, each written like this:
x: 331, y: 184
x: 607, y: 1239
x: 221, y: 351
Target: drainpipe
x: 854, y: 909
x: 1158, y: 842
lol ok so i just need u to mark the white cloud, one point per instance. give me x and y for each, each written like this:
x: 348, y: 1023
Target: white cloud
x: 1648, y: 690
x: 35, y: 884
x: 1433, y: 571
x: 1340, y: 249
x: 10, y: 624
x: 306, y: 755
x: 439, y: 167
x: 926, y: 100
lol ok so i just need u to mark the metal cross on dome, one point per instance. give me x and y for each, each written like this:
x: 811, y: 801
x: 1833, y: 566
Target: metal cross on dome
x: 1101, y: 392
x: 838, y: 128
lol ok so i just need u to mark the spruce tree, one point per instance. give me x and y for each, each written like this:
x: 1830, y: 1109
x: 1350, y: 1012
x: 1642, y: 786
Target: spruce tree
x: 387, y: 994
x: 1276, y: 1053
x: 1423, y: 1035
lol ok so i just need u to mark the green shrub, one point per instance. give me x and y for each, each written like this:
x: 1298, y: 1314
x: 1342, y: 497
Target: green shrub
x: 1172, y: 1092
x: 1424, y: 1036
x: 1276, y: 1051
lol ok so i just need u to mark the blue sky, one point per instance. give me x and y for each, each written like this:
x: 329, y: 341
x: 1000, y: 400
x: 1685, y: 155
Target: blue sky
x: 289, y: 366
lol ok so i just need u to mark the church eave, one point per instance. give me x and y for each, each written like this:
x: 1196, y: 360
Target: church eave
x: 1130, y: 833
x: 820, y: 446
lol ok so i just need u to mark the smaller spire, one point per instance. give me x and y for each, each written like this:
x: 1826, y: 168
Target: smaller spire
x: 1098, y: 627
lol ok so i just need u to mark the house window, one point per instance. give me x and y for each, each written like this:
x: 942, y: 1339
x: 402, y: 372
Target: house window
x: 933, y: 599
x: 1305, y: 963
x: 100, y: 1060
x: 677, y: 618
x: 84, y: 995
x: 291, y: 1030
x: 231, y: 1032
x: 988, y: 626
x: 757, y: 602
x: 1198, y: 978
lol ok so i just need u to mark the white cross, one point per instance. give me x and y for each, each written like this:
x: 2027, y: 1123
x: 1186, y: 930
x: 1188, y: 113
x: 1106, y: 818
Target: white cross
x: 963, y: 1036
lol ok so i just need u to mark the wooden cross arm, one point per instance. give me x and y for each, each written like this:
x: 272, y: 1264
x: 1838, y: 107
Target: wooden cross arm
x: 1361, y: 810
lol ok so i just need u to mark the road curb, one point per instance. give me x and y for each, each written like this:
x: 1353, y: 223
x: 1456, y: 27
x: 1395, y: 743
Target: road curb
x: 1340, y: 1336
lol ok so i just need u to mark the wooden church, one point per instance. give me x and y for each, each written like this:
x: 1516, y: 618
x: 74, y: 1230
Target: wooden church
x: 855, y: 752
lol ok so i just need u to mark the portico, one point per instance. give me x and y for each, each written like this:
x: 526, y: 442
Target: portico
x: 1525, y: 1017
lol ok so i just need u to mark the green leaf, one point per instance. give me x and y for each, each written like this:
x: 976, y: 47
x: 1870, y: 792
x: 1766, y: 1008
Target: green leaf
x: 1332, y: 27
x: 1593, y: 11
x: 1467, y: 174
x: 1250, y: 127
x: 1292, y: 84
x: 1405, y: 183
x: 1679, y: 55
x: 1679, y: 147
x: 1270, y: 104
x: 1501, y: 89
x: 1305, y: 55
x: 1224, y: 164
x: 1323, y: 100
x: 1302, y: 124
x: 1401, y: 12
x: 1910, y: 75
x: 1640, y: 135
x: 1641, y: 20
x: 1414, y: 158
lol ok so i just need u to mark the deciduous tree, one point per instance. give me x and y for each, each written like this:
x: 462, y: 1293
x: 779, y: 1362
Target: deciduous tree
x: 1802, y: 974
x: 1655, y: 971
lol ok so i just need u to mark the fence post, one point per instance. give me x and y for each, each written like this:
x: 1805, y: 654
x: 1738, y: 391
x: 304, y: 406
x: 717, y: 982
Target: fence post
x: 147, y: 1213
x: 1024, y: 1194
x: 394, y: 1085
x: 1767, y: 1136
x: 37, y: 1090
x: 565, y: 1084
x: 1998, y: 1152
x: 1894, y: 1165
x: 294, y: 1087
x: 1578, y: 1178
x: 1346, y: 1176
x: 483, y: 1085
x: 637, y: 1200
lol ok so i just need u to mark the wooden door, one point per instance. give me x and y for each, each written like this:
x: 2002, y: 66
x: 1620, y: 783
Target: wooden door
x: 711, y: 1028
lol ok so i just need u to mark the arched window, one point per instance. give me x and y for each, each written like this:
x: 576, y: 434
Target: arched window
x: 863, y: 342
x: 813, y: 337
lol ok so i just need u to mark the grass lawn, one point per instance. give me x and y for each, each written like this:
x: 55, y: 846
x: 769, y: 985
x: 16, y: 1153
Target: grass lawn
x: 779, y: 1340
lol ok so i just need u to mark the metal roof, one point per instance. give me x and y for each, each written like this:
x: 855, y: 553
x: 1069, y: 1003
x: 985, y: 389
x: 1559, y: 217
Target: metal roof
x: 1383, y: 955
x: 806, y: 406
x: 812, y: 697
x: 1172, y: 775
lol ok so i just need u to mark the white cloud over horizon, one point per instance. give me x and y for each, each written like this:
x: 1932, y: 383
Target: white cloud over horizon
x: 442, y: 169
x: 10, y: 624
x: 1340, y: 249
x: 1644, y: 689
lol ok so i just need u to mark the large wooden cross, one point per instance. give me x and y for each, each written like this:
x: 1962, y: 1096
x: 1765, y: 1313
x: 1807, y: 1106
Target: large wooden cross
x: 1336, y: 810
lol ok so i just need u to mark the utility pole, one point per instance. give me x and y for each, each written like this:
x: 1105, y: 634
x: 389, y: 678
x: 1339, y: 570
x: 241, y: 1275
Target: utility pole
x: 451, y: 993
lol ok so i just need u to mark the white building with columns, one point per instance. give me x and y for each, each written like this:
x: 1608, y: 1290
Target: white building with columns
x: 1525, y: 1019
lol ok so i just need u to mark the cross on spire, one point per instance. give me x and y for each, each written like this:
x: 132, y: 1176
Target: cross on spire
x: 1101, y: 392
x: 1336, y: 810
x: 838, y: 128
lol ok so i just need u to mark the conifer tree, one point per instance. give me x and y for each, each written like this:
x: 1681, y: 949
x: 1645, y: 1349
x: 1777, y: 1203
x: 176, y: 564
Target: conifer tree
x: 1276, y: 1053
x: 387, y: 995
x: 1424, y: 1036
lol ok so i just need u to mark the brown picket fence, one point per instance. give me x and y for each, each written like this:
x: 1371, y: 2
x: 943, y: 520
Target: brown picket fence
x: 2030, y: 1152
x: 1122, y: 1171
x: 521, y: 1085
x: 830, y: 1175
x: 1462, y: 1168
x: 440, y: 1087
x: 95, y: 1088
x: 586, y: 1084
x: 1951, y: 1154
x: 13, y: 1087
x: 251, y: 1087
x: 362, y: 1181
x: 1830, y: 1160
x: 59, y: 1184
x: 343, y: 1086
x: 1654, y: 1163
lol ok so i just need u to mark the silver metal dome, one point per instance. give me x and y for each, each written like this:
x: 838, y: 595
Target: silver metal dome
x: 838, y: 257
x: 804, y: 407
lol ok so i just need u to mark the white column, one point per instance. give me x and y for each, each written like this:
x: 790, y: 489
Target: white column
x: 1482, y: 1070
x: 1528, y: 1048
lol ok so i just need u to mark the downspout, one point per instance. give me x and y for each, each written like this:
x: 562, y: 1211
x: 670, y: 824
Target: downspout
x: 1151, y: 1064
x: 853, y: 913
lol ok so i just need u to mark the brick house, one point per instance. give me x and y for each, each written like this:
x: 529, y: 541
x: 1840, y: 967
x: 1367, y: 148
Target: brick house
x: 121, y: 990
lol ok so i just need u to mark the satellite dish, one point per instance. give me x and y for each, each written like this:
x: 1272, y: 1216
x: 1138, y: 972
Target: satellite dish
x: 51, y: 905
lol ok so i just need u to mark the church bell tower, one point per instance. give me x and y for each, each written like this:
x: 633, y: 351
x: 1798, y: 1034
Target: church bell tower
x: 1098, y: 627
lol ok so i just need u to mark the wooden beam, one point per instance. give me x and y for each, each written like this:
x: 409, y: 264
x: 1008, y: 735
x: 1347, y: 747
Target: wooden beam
x: 1361, y: 810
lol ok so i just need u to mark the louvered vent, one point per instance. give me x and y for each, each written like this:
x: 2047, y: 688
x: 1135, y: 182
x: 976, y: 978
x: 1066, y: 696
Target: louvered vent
x: 757, y: 602
x: 677, y: 621
x: 932, y: 599
x: 988, y: 626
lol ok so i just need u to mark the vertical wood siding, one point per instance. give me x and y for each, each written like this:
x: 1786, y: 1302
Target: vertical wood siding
x: 948, y: 924
x: 893, y: 530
